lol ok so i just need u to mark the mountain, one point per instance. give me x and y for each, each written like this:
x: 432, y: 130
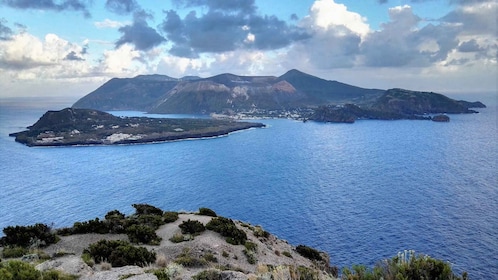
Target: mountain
x: 191, y: 94
x: 137, y: 94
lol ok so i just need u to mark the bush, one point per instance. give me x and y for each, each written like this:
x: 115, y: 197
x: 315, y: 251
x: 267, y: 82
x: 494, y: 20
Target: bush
x: 251, y: 258
x: 187, y: 260
x: 14, y: 252
x: 177, y: 238
x: 120, y: 253
x: 114, y: 215
x: 207, y: 212
x: 25, y: 236
x: 143, y: 234
x: 405, y: 265
x: 287, y: 254
x: 146, y: 209
x: 260, y: 232
x: 91, y: 226
x: 251, y: 246
x: 210, y: 274
x: 309, y: 253
x: 153, y: 221
x: 228, y: 229
x: 192, y: 227
x: 18, y: 270
x: 170, y: 217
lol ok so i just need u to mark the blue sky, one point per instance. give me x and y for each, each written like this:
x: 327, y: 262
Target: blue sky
x: 70, y: 47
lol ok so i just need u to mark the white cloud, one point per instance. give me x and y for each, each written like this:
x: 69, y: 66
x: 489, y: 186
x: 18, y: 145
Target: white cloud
x: 326, y: 14
x: 121, y: 61
x: 107, y: 23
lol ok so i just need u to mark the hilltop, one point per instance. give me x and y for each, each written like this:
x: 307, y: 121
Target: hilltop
x: 169, y: 244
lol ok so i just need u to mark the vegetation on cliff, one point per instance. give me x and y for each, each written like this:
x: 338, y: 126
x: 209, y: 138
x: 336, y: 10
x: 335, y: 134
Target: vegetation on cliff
x: 248, y: 252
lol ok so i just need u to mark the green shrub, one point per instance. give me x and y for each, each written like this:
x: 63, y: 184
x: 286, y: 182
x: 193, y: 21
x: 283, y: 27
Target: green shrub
x: 88, y: 259
x: 143, y: 234
x: 260, y: 232
x: 210, y: 274
x: 170, y: 217
x: 25, y: 236
x: 114, y: 215
x: 309, y: 253
x: 91, y: 226
x: 287, y: 254
x: 14, y: 252
x: 306, y: 273
x: 153, y: 221
x: 207, y: 212
x: 405, y: 265
x: 18, y: 270
x: 187, y: 260
x: 177, y: 238
x: 57, y: 275
x: 251, y: 246
x: 251, y: 258
x: 209, y: 257
x: 146, y: 209
x: 227, y: 228
x: 120, y: 253
x: 192, y: 227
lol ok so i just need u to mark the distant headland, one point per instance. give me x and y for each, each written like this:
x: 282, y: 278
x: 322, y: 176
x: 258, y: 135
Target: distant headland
x: 70, y: 127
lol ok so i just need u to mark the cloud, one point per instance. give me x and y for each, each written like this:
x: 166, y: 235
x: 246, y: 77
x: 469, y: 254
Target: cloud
x: 122, y: 7
x: 72, y: 55
x: 326, y: 14
x: 66, y: 5
x: 225, y: 26
x: 243, y: 6
x: 107, y: 23
x: 139, y: 34
x: 28, y: 57
x: 5, y: 31
x: 477, y: 19
x: 401, y: 43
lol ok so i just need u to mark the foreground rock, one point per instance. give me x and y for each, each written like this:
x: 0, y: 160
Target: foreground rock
x: 69, y: 127
x: 208, y: 252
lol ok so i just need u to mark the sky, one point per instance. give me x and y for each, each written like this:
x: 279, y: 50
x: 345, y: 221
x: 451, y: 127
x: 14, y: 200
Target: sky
x: 71, y: 47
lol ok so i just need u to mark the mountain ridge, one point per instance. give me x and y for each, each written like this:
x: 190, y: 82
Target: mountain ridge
x: 215, y: 94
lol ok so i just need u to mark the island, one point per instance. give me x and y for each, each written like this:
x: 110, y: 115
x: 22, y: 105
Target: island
x: 294, y: 95
x: 71, y: 126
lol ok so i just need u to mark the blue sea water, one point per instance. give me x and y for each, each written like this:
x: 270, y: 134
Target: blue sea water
x: 361, y: 192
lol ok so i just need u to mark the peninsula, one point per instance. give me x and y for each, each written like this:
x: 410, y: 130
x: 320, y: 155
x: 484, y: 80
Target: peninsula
x: 71, y: 126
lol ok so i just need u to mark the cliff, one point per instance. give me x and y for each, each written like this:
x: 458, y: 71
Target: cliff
x: 91, y: 127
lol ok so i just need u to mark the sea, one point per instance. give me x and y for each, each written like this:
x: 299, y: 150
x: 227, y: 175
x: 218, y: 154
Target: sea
x: 361, y: 192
